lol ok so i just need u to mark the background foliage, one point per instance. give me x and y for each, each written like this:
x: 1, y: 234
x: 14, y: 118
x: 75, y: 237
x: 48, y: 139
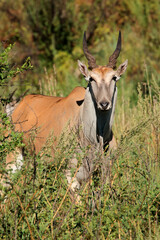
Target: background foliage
x: 52, y: 34
x: 39, y: 203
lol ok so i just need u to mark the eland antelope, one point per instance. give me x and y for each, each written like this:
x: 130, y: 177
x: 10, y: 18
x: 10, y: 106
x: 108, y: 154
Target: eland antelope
x: 91, y: 109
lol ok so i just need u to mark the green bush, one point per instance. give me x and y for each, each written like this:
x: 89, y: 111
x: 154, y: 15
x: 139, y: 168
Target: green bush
x: 45, y: 29
x: 9, y: 139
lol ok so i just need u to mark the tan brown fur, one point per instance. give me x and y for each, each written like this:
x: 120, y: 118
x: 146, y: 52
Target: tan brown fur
x: 45, y: 114
x: 102, y: 70
x: 102, y: 74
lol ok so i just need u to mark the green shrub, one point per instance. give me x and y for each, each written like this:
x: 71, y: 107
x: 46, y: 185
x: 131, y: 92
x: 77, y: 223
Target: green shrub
x: 9, y: 139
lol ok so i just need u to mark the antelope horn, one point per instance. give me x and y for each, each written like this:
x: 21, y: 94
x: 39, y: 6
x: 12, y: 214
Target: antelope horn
x: 114, y: 56
x: 90, y: 58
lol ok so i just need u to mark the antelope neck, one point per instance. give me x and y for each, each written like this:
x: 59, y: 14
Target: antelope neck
x: 96, y: 124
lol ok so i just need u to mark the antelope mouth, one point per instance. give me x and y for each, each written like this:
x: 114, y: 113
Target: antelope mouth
x: 104, y: 109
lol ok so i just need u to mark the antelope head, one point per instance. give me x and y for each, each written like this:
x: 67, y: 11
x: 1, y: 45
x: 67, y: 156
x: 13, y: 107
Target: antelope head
x: 102, y: 79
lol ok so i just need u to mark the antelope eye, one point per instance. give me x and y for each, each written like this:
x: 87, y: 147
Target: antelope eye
x: 114, y: 78
x: 91, y: 79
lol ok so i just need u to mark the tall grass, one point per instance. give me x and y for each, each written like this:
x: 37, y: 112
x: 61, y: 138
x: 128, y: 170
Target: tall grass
x: 41, y: 205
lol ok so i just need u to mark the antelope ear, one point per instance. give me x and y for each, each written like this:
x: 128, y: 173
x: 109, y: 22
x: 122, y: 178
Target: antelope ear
x: 122, y: 68
x: 83, y: 69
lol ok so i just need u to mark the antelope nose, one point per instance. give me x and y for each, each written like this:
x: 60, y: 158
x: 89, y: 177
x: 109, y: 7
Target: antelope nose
x: 104, y: 105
